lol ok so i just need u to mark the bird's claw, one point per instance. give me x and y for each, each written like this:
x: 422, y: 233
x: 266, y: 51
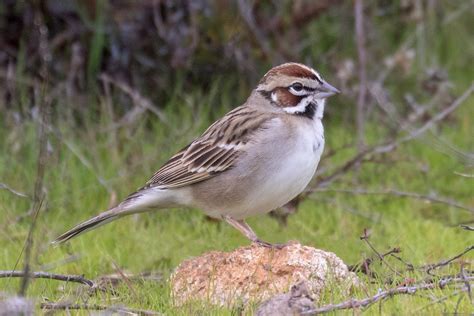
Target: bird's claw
x: 266, y: 244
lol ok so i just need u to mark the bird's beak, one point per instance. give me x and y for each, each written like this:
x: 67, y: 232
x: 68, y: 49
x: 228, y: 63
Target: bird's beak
x: 326, y: 90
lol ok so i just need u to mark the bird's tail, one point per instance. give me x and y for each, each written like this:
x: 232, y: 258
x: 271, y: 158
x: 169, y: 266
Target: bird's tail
x: 93, y: 223
x: 141, y: 201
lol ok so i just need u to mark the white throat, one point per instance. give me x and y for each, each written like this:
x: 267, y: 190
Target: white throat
x: 301, y: 107
x: 320, y: 104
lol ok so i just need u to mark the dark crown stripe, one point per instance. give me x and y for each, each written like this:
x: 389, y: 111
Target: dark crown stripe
x: 292, y: 70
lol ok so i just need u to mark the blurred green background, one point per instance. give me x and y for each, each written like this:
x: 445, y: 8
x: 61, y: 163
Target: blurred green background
x: 116, y: 87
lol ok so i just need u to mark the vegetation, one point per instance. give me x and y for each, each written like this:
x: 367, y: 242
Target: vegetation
x: 95, y: 97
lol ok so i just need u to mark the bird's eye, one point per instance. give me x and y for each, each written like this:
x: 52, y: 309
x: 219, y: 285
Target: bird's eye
x: 297, y: 86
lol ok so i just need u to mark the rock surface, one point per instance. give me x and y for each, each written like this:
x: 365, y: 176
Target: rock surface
x: 15, y: 305
x: 295, y: 302
x: 255, y: 273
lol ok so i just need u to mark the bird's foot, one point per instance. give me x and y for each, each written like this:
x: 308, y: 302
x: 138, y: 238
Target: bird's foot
x: 268, y: 245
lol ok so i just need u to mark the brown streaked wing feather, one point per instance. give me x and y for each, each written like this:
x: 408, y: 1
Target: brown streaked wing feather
x: 215, y: 151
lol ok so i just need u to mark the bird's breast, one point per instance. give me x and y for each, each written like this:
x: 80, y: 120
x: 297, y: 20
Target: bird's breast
x: 289, y: 171
x: 273, y: 170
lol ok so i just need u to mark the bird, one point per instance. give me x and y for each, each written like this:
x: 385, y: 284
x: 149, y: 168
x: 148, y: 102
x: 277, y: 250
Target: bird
x: 254, y: 159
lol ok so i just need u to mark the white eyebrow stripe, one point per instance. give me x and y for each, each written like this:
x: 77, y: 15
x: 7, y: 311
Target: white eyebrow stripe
x: 307, y: 83
x: 320, y: 79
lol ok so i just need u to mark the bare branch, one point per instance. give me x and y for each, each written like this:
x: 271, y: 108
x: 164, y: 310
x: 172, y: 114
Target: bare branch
x: 114, y: 309
x: 397, y: 193
x: 464, y: 174
x: 47, y: 275
x: 348, y: 165
x: 382, y: 295
x: 139, y: 99
x: 443, y: 263
x: 437, y: 301
x: 362, y: 97
x: 388, y: 146
x: 429, y: 124
x: 429, y: 267
x: 404, y: 124
x: 364, y: 266
x: 467, y: 227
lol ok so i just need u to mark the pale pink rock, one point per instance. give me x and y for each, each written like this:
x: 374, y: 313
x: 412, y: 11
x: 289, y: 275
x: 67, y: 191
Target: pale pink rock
x: 255, y: 273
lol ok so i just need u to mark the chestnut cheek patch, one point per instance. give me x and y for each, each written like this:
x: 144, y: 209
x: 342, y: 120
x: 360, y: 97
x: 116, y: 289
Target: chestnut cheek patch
x: 284, y: 98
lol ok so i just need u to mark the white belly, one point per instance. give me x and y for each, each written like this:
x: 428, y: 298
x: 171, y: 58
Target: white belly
x: 285, y: 176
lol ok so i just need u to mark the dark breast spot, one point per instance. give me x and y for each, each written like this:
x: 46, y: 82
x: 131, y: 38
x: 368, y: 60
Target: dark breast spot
x: 316, y: 146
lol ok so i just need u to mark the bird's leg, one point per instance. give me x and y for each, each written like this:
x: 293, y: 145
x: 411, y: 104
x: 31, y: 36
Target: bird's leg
x: 242, y: 227
x: 245, y: 229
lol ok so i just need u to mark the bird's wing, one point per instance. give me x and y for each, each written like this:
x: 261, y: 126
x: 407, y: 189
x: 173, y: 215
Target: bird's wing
x: 214, y: 152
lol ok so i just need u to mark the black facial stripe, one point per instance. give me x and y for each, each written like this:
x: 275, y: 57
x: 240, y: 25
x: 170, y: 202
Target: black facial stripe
x: 309, y: 111
x: 319, y: 80
x: 266, y: 94
x: 304, y: 88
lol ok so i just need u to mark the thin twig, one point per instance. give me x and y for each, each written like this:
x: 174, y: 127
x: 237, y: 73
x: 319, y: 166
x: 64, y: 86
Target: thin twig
x: 404, y: 124
x: 388, y: 146
x: 364, y: 266
x: 467, y: 227
x: 113, y: 309
x: 60, y: 262
x: 429, y: 267
x: 401, y: 194
x: 382, y: 295
x: 464, y: 276
x: 47, y: 275
x: 27, y: 250
x: 125, y: 279
x: 437, y: 301
x: 362, y: 55
x: 3, y: 186
x: 443, y: 263
x: 409, y: 266
x: 82, y: 159
x: 346, y: 167
x: 38, y: 196
x: 464, y: 174
x: 365, y: 238
x: 139, y: 99
x: 429, y: 124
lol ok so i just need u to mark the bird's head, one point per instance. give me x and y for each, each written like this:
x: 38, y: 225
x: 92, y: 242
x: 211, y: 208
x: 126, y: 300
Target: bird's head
x: 295, y: 89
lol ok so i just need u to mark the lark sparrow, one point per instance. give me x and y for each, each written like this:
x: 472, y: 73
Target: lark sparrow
x: 255, y: 159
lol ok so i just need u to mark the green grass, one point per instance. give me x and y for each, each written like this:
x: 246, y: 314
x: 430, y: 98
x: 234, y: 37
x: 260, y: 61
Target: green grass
x: 159, y: 241
x: 85, y: 150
